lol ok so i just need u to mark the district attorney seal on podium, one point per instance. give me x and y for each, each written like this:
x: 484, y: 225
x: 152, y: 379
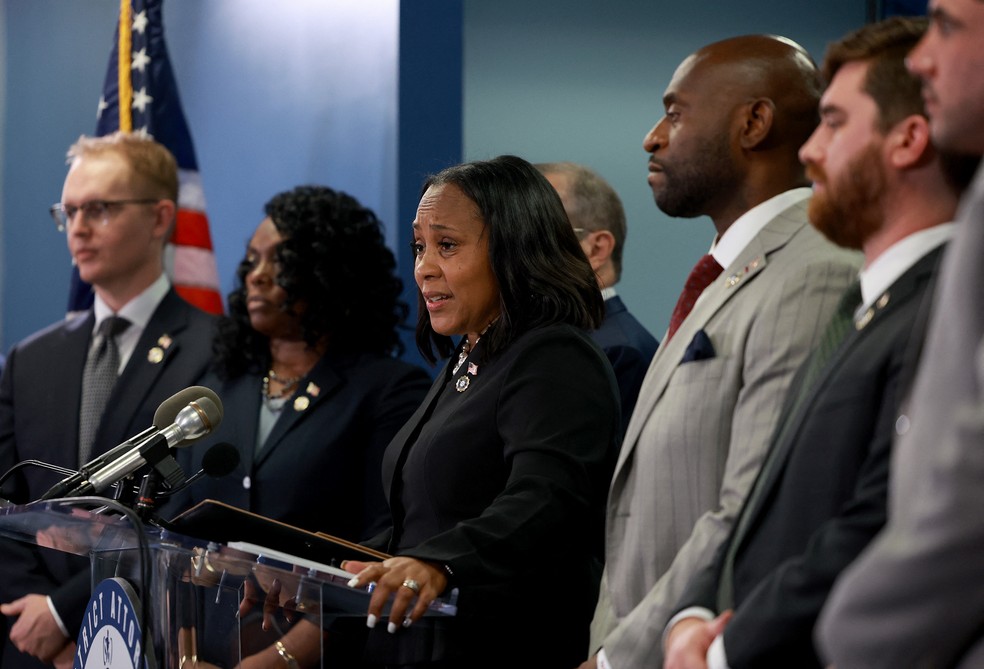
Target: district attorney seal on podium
x: 111, y: 637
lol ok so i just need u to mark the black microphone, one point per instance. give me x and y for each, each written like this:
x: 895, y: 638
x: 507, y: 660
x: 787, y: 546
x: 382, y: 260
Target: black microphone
x: 219, y: 460
x: 193, y: 422
x: 165, y: 415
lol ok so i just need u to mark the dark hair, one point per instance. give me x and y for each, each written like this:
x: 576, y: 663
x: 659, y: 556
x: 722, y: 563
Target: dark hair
x: 884, y: 46
x: 333, y: 259
x: 541, y: 271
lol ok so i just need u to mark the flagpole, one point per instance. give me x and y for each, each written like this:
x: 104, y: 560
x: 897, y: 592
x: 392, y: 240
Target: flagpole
x: 123, y: 68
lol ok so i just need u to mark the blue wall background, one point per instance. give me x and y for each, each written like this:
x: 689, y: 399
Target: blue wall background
x: 369, y: 97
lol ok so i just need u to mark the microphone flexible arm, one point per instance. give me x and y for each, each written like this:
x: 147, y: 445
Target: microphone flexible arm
x: 35, y: 463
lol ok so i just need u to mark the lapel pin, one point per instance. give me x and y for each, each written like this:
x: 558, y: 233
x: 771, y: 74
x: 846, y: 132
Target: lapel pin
x: 165, y: 341
x: 461, y: 385
x: 301, y: 403
x: 882, y: 301
x: 473, y: 369
x: 312, y: 389
x: 736, y: 278
x: 155, y: 355
x: 864, y: 320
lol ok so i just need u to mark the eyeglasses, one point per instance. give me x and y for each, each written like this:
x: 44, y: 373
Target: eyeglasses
x: 94, y: 211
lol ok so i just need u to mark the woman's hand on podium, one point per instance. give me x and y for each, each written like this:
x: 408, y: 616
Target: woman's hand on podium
x: 412, y: 583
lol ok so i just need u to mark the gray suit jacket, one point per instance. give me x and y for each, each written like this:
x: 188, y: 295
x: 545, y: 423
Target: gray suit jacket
x: 915, y: 597
x: 700, y: 428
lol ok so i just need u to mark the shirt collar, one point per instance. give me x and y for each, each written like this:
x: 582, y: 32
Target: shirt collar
x: 896, y: 260
x: 727, y: 247
x: 138, y: 310
x: 608, y: 293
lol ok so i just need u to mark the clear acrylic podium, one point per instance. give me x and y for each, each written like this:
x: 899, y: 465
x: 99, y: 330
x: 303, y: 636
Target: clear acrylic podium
x: 213, y: 602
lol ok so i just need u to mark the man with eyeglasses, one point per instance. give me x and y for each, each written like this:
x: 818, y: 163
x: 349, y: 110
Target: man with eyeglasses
x: 117, y: 210
x: 598, y: 218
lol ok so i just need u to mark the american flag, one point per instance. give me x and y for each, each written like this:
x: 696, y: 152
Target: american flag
x: 141, y: 95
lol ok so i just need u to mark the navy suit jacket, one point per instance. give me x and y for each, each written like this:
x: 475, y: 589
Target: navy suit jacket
x: 629, y: 347
x: 320, y: 467
x: 40, y: 393
x: 822, y: 493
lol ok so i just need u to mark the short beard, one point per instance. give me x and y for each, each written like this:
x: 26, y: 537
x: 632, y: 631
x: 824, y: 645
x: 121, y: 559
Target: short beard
x: 692, y: 185
x: 849, y: 211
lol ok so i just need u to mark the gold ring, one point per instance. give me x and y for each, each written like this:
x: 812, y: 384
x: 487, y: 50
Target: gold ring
x: 413, y: 585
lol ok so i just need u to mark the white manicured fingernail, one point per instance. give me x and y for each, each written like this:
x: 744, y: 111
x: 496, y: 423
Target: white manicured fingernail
x: 391, y: 628
x: 353, y: 582
x: 407, y: 622
x: 371, y: 621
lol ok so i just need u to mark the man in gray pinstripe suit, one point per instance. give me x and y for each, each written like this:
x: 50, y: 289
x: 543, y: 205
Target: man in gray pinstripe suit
x: 736, y: 113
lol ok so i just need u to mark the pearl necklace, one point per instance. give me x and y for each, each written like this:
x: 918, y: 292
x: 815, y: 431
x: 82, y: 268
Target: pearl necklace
x: 287, y: 384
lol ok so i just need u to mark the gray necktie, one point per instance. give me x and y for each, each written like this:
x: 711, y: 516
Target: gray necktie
x: 101, y: 368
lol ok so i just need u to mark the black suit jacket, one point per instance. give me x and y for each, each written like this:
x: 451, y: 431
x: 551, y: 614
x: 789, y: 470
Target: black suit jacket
x: 629, y: 347
x: 823, y: 489
x: 320, y: 467
x: 39, y: 407
x: 503, y: 478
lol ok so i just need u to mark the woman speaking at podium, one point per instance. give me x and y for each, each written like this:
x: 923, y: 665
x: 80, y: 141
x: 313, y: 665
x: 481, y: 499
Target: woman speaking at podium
x: 497, y: 482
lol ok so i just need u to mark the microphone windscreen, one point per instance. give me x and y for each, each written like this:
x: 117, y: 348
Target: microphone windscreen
x: 212, y: 413
x: 168, y: 410
x: 220, y: 460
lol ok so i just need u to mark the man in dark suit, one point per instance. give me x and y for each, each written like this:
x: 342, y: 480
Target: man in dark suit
x: 881, y: 187
x: 915, y: 597
x: 598, y: 218
x: 117, y: 208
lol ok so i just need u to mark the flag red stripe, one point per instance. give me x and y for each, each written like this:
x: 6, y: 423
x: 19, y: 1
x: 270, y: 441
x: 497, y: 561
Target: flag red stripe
x: 191, y: 229
x: 205, y: 299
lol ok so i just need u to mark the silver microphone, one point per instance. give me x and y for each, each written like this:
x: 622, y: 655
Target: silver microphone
x: 191, y: 423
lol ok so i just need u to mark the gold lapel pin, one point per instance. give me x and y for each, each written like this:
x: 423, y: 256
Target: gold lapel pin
x: 301, y: 403
x: 312, y: 389
x: 155, y: 355
x: 165, y: 341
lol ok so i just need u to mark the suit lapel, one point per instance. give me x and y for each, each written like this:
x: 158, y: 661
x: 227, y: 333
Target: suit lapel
x: 68, y: 362
x: 321, y: 383
x: 752, y: 261
x: 157, y: 347
x: 905, y: 288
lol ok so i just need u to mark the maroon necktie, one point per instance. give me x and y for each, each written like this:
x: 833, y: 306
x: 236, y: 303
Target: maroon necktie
x: 704, y: 272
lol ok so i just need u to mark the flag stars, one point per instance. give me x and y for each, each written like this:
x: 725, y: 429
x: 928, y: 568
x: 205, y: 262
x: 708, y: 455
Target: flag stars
x: 103, y: 106
x: 140, y: 22
x: 141, y: 100
x: 139, y: 60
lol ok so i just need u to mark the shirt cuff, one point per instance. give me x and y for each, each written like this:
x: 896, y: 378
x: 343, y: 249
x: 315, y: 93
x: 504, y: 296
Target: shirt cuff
x: 602, y: 660
x: 716, y: 657
x: 58, y: 620
x: 690, y: 612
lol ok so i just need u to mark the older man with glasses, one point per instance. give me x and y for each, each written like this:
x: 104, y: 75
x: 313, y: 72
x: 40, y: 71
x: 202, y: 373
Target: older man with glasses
x: 74, y: 390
